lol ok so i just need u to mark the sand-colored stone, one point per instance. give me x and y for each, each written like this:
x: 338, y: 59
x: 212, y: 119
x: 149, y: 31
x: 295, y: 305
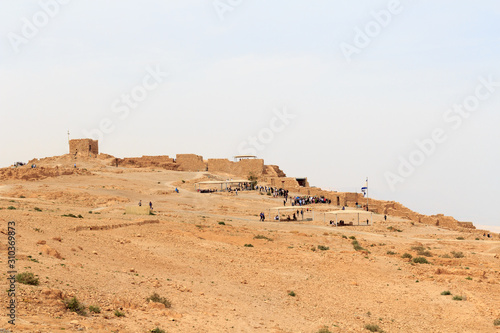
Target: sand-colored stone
x: 46, y: 249
x: 137, y: 210
x: 83, y: 147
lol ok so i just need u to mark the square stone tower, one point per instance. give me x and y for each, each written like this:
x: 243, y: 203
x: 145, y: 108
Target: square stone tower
x: 84, y: 147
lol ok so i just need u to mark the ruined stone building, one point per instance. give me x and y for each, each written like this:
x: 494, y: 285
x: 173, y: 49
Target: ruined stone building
x: 84, y: 147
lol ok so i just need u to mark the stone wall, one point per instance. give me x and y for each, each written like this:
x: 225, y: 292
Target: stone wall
x: 84, y: 147
x: 190, y: 162
x: 242, y: 168
x: 273, y: 171
x: 162, y: 161
x: 288, y: 183
x: 137, y: 210
x: 468, y: 225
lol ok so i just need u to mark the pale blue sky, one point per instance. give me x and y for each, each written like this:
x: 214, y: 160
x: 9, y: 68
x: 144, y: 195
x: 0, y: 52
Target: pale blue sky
x: 225, y: 77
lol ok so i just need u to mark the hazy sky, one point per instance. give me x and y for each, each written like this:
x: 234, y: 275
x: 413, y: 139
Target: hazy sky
x: 406, y: 93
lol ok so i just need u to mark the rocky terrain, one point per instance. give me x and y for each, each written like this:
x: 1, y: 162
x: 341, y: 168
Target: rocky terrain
x: 212, y: 266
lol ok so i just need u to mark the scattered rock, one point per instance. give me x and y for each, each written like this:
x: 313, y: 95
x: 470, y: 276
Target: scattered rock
x: 51, y: 252
x: 52, y: 293
x: 156, y: 305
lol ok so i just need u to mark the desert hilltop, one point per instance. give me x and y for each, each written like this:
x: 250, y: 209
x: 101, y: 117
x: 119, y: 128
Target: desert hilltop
x: 162, y: 244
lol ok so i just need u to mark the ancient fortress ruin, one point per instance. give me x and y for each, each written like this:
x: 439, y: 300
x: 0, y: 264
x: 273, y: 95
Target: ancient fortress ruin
x: 270, y: 174
x: 84, y: 147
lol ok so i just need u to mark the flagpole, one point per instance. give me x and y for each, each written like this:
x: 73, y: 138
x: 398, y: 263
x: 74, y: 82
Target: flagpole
x: 366, y: 193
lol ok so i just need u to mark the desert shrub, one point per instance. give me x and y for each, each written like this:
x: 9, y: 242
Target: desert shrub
x: 27, y: 278
x: 222, y: 223
x: 344, y: 236
x: 157, y: 330
x: 420, y: 260
x: 74, y: 305
x: 460, y: 238
x: 11, y: 207
x: 323, y: 248
x: 158, y: 299
x: 424, y: 253
x: 373, y: 328
x: 324, y: 330
x: 37, y: 209
x: 496, y: 322
x: 468, y: 278
x: 94, y: 309
x: 248, y: 245
x: 446, y: 256
x: 406, y: 256
x: 22, y: 197
x: 70, y: 215
x: 292, y: 293
x: 356, y: 246
x: 418, y: 248
x: 119, y: 314
x: 262, y: 237
x: 391, y: 252
x: 457, y: 298
x: 446, y: 293
x: 352, y: 237
x: 457, y: 254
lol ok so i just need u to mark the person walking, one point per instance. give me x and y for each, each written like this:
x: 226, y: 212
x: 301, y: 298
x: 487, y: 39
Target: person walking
x: 150, y: 205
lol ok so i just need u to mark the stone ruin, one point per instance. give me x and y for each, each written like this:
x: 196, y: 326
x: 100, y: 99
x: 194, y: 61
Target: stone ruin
x: 84, y: 147
x: 270, y: 174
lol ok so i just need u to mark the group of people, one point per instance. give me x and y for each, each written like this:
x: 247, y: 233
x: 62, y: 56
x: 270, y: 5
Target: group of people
x: 274, y: 191
x: 294, y: 216
x: 207, y: 190
x: 150, y: 204
x: 307, y: 200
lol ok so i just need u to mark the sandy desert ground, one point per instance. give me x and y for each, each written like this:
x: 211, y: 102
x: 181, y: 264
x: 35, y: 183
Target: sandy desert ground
x: 195, y: 251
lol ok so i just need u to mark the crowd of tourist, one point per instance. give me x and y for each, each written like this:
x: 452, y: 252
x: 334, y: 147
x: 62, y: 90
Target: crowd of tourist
x: 307, y: 200
x: 274, y: 191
